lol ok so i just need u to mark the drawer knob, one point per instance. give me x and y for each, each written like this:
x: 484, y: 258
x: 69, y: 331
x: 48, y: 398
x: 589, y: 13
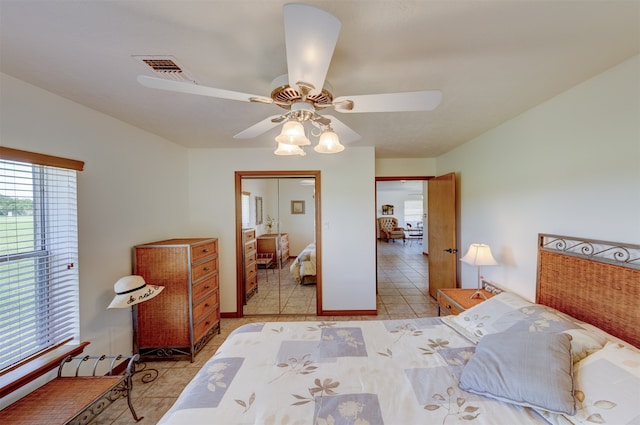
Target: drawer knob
x: 207, y: 305
x: 205, y: 250
x: 206, y: 269
x: 448, y: 305
x: 207, y: 287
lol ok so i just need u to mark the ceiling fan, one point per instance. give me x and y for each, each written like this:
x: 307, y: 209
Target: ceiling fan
x: 311, y: 35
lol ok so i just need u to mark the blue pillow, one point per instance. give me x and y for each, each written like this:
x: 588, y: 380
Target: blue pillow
x: 524, y: 368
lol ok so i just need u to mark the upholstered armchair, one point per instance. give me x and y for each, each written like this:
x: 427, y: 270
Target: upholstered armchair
x: 389, y: 229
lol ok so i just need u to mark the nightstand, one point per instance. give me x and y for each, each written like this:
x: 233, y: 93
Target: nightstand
x: 456, y: 300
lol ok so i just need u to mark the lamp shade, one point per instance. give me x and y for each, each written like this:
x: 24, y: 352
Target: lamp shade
x: 286, y: 149
x: 131, y: 290
x: 328, y: 143
x: 479, y: 255
x: 293, y: 134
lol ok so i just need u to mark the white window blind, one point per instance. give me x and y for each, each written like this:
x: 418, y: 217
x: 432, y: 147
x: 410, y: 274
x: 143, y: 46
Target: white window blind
x: 246, y: 209
x: 39, y: 294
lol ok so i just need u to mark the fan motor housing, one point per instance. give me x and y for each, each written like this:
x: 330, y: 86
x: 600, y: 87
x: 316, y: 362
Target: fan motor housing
x: 284, y: 95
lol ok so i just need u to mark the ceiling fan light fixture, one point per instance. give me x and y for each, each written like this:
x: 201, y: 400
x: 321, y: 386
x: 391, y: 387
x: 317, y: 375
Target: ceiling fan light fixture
x: 285, y: 149
x: 329, y: 143
x: 293, y: 134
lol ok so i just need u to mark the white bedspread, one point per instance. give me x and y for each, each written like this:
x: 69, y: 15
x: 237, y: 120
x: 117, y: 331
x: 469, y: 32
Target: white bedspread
x: 396, y: 372
x: 305, y: 263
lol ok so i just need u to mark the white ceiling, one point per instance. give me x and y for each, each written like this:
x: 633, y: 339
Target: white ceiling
x: 492, y: 60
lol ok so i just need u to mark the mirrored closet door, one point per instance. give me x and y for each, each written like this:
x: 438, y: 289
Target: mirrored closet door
x: 279, y: 256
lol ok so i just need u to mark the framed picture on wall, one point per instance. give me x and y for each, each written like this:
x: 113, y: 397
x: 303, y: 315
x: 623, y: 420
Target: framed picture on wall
x: 387, y: 209
x: 258, y: 209
x: 297, y: 207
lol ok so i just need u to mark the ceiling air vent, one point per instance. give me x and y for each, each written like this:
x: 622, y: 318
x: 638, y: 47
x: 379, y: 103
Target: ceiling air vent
x: 166, y: 67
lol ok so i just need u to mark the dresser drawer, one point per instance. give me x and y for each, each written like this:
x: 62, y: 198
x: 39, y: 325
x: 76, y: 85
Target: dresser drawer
x: 251, y: 282
x: 204, y: 288
x: 203, y: 269
x: 203, y: 308
x: 251, y: 271
x: 200, y: 251
x: 250, y: 258
x: 207, y: 322
x: 250, y: 246
x: 249, y: 234
x: 447, y: 305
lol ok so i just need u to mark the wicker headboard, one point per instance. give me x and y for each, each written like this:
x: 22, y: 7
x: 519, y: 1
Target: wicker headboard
x: 594, y: 281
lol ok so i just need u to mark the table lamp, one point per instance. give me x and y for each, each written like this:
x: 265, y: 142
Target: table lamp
x: 479, y: 255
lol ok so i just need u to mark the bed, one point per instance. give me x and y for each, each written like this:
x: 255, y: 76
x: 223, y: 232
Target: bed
x: 558, y: 369
x: 303, y: 268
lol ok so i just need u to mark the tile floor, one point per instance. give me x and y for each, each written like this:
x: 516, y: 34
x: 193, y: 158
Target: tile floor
x: 402, y: 293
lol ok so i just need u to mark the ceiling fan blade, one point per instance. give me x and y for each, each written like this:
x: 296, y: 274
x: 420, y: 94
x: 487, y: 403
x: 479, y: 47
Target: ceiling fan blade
x: 311, y: 35
x: 259, y: 128
x: 190, y: 88
x: 426, y: 100
x: 344, y: 132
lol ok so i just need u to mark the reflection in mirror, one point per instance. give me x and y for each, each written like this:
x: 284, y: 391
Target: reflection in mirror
x: 279, y: 250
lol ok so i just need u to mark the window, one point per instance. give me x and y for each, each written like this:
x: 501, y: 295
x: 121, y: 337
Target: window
x: 246, y: 209
x: 413, y: 211
x: 38, y: 255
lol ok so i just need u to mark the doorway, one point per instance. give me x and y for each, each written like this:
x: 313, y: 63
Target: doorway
x: 277, y: 216
x: 405, y: 199
x: 402, y: 264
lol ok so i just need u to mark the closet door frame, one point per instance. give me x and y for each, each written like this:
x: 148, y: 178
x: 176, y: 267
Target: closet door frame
x: 239, y: 175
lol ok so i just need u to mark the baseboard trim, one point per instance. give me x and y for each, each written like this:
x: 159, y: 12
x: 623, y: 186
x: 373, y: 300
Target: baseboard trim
x: 348, y: 313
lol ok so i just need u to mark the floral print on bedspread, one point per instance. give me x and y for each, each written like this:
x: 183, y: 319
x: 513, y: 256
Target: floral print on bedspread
x: 457, y: 358
x: 291, y: 350
x: 216, y: 377
x: 347, y: 409
x: 535, y: 319
x: 438, y: 393
x: 420, y: 323
x: 342, y: 342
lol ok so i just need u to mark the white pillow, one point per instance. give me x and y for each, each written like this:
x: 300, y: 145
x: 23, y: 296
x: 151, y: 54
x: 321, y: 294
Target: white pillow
x: 508, y: 312
x: 607, y: 388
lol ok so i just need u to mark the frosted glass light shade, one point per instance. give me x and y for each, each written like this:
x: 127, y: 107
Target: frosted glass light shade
x: 293, y: 134
x: 328, y: 143
x: 287, y: 149
x: 479, y: 255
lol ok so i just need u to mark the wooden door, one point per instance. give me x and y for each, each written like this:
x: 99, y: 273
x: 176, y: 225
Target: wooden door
x: 441, y: 218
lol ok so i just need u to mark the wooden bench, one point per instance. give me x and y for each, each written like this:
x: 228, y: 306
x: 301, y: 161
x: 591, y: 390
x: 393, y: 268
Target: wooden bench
x: 72, y: 398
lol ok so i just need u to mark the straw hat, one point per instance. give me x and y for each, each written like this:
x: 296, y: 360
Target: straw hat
x: 131, y: 290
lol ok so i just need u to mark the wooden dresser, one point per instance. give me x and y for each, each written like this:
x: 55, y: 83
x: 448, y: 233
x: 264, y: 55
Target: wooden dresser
x: 268, y: 244
x: 250, y: 254
x: 186, y: 314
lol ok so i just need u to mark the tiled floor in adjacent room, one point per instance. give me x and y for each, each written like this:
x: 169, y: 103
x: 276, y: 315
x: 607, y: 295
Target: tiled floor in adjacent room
x: 402, y: 294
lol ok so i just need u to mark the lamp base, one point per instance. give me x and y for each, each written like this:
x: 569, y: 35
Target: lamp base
x: 478, y: 294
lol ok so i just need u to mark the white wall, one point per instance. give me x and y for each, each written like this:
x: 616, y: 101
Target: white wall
x: 569, y: 166
x: 405, y: 167
x: 395, y: 198
x: 299, y: 227
x: 131, y: 191
x: 348, y: 216
x: 277, y: 194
